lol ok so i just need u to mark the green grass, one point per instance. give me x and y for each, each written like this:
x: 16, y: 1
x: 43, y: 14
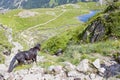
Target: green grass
x: 104, y: 48
x: 61, y: 24
x: 66, y: 27
x: 68, y: 18
x: 61, y: 41
x: 19, y: 24
x: 4, y: 41
x: 20, y: 67
x: 2, y: 59
x: 75, y: 53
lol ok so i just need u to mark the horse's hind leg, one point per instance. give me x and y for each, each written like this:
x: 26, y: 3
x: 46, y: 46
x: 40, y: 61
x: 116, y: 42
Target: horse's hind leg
x: 22, y: 61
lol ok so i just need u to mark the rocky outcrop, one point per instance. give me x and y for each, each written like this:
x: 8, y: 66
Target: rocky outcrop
x: 66, y: 72
x: 94, y: 32
x: 103, y: 26
x: 83, y: 66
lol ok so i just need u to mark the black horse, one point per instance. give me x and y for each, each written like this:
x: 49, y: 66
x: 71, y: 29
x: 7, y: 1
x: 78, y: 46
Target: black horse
x: 24, y: 56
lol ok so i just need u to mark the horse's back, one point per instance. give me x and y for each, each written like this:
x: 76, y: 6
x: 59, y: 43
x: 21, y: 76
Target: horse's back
x: 20, y: 55
x: 27, y: 55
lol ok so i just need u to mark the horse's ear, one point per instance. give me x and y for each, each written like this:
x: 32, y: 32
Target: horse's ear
x: 39, y: 44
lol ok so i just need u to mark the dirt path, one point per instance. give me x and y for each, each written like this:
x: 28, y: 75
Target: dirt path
x: 46, y: 22
x: 24, y: 34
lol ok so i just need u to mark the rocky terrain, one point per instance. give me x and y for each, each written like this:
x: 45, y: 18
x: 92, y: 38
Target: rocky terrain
x: 99, y: 69
x: 99, y: 39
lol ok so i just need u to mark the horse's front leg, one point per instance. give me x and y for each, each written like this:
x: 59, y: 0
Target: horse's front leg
x: 35, y: 59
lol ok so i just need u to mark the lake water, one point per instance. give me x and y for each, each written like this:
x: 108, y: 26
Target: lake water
x: 85, y: 17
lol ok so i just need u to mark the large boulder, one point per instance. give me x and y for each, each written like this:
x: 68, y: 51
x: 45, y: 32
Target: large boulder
x: 96, y: 63
x: 69, y: 67
x: 83, y: 66
x: 74, y: 74
x: 94, y: 32
x: 55, y: 69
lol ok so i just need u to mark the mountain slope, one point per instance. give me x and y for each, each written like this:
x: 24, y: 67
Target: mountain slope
x: 44, y: 20
x: 11, y: 4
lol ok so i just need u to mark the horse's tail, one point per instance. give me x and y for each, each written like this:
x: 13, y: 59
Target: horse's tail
x: 11, y: 66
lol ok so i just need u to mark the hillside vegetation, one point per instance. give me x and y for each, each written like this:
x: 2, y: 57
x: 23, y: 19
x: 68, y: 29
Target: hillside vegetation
x: 19, y: 24
x: 48, y: 23
x: 70, y: 49
x: 38, y: 25
x: 100, y: 36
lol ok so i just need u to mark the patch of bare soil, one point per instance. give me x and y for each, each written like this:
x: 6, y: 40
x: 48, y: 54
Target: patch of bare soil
x: 27, y: 13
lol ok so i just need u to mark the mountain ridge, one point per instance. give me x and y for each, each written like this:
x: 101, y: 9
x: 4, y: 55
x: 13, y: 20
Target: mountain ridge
x: 28, y: 4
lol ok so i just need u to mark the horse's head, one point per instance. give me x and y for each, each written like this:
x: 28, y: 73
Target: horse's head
x: 38, y: 47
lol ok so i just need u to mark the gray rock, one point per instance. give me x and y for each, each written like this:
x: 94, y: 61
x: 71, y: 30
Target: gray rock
x: 101, y: 71
x: 61, y: 76
x: 73, y: 74
x: 55, y: 69
x: 99, y: 78
x: 83, y: 66
x: 9, y: 76
x: 92, y: 76
x: 70, y: 78
x: 22, y: 72
x: 3, y: 67
x: 96, y: 63
x: 87, y: 77
x: 51, y: 68
x: 32, y: 77
x: 36, y: 70
x: 1, y: 77
x: 48, y: 77
x: 94, y: 32
x: 69, y: 66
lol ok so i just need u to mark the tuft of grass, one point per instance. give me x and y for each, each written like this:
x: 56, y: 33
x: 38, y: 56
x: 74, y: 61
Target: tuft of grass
x: 2, y: 58
x: 104, y: 48
x: 19, y: 67
x: 75, y: 53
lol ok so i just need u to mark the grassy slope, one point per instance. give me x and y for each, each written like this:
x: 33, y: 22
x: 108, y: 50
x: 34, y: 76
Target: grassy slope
x: 75, y: 53
x: 68, y: 21
x: 18, y: 24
